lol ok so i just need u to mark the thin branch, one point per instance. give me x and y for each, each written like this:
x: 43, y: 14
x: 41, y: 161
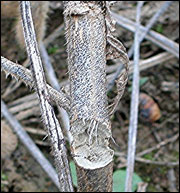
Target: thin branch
x: 150, y: 24
x: 145, y: 161
x: 19, y: 72
x: 134, y: 106
x: 35, y: 131
x: 50, y: 120
x: 143, y: 64
x: 56, y: 33
x: 23, y: 99
x: 161, y: 163
x: 24, y: 106
x: 156, y: 38
x: 51, y: 76
x: 149, y: 150
x: 28, y: 142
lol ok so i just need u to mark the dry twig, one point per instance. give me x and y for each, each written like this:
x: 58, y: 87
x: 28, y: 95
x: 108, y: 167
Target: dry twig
x: 153, y: 36
x: 134, y: 106
x: 162, y: 163
x: 149, y: 150
x: 143, y: 64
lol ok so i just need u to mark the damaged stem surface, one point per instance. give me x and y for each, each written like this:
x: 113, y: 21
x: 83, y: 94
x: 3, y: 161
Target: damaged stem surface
x: 89, y: 116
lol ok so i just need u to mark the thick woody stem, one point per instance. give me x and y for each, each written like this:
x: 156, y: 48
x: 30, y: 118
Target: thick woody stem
x: 90, y: 124
x: 49, y: 118
x: 98, y: 180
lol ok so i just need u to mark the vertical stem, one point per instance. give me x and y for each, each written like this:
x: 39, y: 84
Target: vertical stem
x: 55, y: 84
x: 49, y: 118
x: 90, y: 124
x: 134, y: 107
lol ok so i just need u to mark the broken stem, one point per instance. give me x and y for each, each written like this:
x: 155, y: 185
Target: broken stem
x: 90, y: 125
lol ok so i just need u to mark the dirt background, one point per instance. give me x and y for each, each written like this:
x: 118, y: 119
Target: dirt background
x: 21, y: 173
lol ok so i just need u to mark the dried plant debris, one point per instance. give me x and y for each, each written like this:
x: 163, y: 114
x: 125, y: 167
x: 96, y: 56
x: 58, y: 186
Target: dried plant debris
x: 115, y: 49
x: 9, y: 140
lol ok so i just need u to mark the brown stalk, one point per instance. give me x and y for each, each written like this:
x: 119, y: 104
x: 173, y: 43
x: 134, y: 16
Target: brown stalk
x: 90, y: 125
